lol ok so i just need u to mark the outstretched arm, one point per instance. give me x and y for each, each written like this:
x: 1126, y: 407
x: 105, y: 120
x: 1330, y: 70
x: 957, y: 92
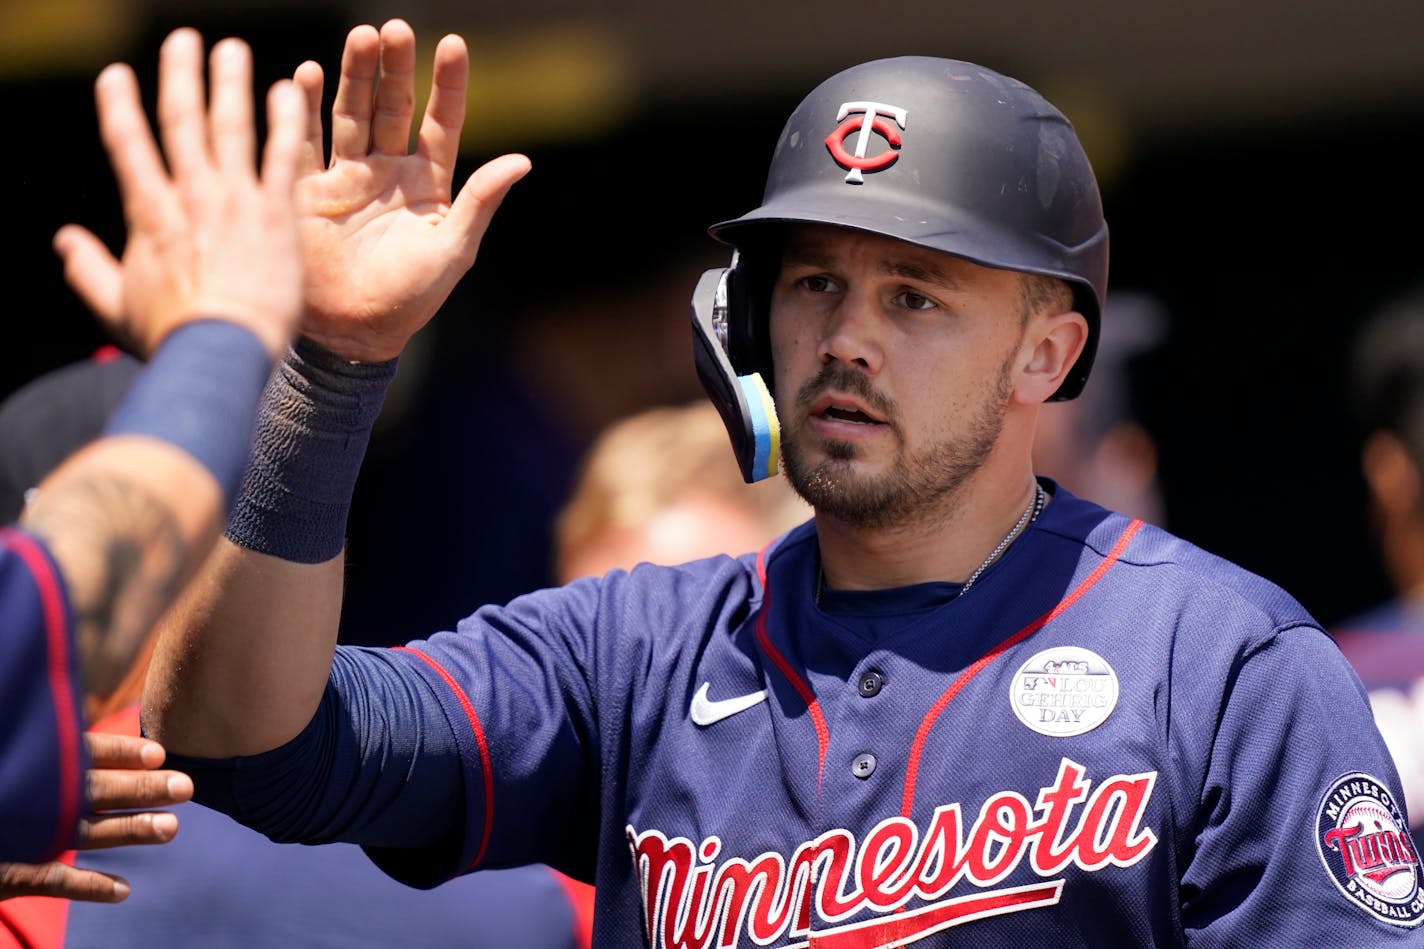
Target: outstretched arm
x: 210, y: 287
x: 244, y: 658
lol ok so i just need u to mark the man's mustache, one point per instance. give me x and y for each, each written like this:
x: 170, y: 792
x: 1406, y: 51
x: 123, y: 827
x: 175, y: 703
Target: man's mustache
x: 841, y: 378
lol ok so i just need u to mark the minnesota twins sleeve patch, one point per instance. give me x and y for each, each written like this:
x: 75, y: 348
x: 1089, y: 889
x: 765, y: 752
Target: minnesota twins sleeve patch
x: 1364, y: 842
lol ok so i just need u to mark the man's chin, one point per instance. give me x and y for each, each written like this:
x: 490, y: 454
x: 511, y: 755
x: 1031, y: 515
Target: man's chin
x: 846, y: 489
x: 815, y: 452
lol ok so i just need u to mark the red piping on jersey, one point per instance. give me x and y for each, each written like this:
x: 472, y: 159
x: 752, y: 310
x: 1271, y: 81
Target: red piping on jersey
x: 916, y: 749
x: 52, y: 598
x: 823, y: 734
x: 479, y: 732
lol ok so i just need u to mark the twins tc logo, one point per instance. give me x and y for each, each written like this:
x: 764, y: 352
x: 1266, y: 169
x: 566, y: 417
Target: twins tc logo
x: 1365, y: 844
x: 871, y: 117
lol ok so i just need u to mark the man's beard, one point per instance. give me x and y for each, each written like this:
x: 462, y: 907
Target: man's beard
x: 915, y: 484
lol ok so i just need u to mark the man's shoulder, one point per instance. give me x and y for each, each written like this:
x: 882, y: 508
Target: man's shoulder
x: 1169, y: 567
x: 661, y: 594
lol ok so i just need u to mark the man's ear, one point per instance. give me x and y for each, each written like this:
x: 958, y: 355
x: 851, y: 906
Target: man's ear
x: 1058, y: 340
x: 1390, y: 474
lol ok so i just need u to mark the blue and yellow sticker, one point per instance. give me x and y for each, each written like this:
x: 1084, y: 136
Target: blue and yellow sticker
x: 766, y: 427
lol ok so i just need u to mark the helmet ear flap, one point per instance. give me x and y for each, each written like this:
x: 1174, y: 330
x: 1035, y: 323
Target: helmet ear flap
x: 727, y: 350
x: 749, y: 284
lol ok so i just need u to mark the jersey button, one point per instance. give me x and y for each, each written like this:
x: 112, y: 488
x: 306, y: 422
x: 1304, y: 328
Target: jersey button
x: 863, y: 766
x: 870, y: 684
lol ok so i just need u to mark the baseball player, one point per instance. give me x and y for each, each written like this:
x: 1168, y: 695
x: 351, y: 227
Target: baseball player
x: 210, y: 284
x: 958, y: 704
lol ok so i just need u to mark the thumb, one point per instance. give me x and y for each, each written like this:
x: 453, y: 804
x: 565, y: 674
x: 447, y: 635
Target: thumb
x: 480, y: 197
x: 92, y: 272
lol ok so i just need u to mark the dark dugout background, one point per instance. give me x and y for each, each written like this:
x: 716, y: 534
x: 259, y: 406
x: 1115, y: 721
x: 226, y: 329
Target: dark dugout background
x: 1268, y: 241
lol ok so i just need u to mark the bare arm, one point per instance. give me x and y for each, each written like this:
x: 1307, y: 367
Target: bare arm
x: 125, y: 519
x: 244, y: 658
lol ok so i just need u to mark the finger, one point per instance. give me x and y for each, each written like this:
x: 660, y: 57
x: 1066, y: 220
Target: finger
x: 92, y: 272
x: 182, y: 102
x: 285, y: 150
x: 477, y: 201
x: 281, y: 159
x: 106, y: 831
x: 439, y: 138
x: 230, y: 128
x: 129, y: 752
x: 309, y: 79
x: 61, y: 880
x: 395, y: 91
x: 351, y: 110
x: 113, y: 788
x: 132, y: 151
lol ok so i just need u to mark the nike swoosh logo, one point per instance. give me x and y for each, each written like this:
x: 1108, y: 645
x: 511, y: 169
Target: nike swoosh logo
x: 706, y: 712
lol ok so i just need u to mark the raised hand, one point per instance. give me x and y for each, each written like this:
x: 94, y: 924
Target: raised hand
x: 383, y: 242
x: 212, y: 238
x: 123, y: 776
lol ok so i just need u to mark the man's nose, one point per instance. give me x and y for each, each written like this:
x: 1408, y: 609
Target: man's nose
x: 854, y: 333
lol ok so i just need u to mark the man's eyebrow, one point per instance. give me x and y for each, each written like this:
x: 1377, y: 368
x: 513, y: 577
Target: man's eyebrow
x: 806, y: 255
x: 908, y: 270
x: 812, y: 254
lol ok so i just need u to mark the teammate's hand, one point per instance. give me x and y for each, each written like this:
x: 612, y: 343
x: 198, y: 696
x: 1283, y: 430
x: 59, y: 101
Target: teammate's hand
x: 123, y: 776
x: 383, y: 242
x: 207, y: 236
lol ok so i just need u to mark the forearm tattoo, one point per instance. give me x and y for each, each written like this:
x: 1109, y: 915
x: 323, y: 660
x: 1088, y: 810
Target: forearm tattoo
x: 122, y: 555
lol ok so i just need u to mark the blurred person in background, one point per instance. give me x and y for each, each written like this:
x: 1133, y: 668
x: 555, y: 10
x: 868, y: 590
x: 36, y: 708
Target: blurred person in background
x: 50, y: 416
x: 1098, y: 445
x: 662, y: 487
x: 1385, y: 643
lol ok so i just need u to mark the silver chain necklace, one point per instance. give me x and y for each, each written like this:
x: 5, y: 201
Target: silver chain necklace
x: 1029, y: 515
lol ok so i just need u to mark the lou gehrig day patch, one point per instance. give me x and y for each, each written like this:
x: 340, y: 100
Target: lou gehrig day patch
x: 1063, y: 691
x: 1365, y: 844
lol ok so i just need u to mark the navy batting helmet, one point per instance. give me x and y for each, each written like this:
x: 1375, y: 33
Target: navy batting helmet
x: 940, y: 153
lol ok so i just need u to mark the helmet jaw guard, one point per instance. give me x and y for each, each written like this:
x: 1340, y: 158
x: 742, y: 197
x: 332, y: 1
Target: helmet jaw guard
x: 940, y: 153
x: 743, y: 400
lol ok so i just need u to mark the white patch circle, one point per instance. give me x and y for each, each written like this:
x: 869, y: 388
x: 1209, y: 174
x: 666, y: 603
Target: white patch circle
x: 1064, y: 691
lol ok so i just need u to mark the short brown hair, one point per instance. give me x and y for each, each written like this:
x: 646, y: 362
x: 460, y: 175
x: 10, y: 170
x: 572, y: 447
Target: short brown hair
x: 1041, y: 291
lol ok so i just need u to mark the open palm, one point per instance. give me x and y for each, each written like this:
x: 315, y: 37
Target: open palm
x: 382, y: 239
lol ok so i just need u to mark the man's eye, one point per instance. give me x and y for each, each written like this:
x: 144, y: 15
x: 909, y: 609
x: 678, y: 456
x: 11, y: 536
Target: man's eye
x: 916, y: 301
x: 818, y: 284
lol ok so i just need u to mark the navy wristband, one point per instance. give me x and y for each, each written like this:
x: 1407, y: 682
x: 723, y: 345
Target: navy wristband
x: 200, y: 392
x: 312, y: 430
